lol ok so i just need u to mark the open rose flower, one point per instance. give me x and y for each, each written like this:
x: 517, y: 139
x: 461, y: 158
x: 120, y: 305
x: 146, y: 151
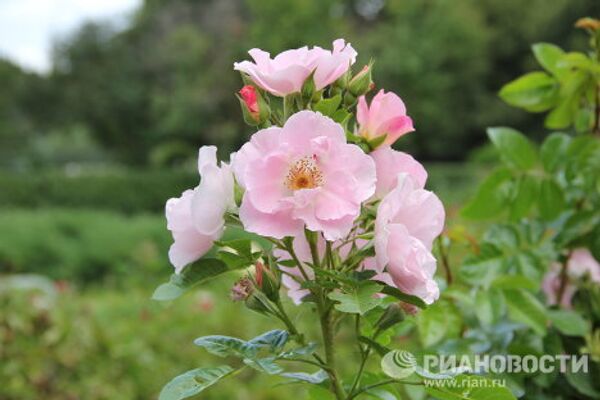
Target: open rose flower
x: 286, y: 73
x: 196, y: 218
x: 303, y: 174
x: 389, y: 164
x: 580, y: 264
x: 385, y: 116
x: 408, y: 220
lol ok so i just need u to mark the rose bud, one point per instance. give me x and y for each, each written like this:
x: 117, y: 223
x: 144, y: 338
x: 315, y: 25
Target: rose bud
x: 384, y: 120
x: 361, y: 83
x: 266, y: 281
x: 255, y: 109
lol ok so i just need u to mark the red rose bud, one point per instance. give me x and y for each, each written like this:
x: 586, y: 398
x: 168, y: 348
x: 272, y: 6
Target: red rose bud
x: 248, y: 94
x: 255, y: 109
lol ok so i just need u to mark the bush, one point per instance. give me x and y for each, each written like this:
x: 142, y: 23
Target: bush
x: 124, y: 190
x: 85, y: 246
x: 68, y: 345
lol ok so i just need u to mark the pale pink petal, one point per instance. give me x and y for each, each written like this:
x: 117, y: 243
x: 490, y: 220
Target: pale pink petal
x: 389, y: 164
x: 277, y: 224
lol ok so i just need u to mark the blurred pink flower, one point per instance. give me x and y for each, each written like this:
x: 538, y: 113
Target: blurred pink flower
x: 580, y: 264
x: 196, y: 219
x: 303, y: 174
x: 286, y: 73
x: 389, y: 164
x: 385, y: 116
x: 408, y: 220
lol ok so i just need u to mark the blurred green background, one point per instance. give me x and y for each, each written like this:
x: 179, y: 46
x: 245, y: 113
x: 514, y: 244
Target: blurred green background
x: 91, y: 150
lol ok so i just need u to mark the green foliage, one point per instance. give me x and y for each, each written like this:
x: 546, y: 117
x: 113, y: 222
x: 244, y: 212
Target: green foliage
x: 126, y: 191
x: 83, y: 246
x: 359, y: 299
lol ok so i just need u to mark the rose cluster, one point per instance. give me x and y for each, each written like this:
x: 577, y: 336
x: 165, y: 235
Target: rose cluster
x: 321, y: 163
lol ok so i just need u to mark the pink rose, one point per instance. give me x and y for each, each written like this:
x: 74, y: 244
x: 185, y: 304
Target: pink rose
x: 389, y: 164
x: 292, y: 277
x: 196, y: 218
x: 581, y: 264
x: 286, y: 73
x: 303, y: 174
x: 385, y: 116
x: 408, y: 220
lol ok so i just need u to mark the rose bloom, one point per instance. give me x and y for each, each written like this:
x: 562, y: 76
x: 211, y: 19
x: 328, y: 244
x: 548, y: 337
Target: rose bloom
x: 389, y: 163
x: 196, y: 218
x: 286, y: 73
x: 580, y: 264
x: 303, y: 174
x: 385, y: 116
x: 408, y: 220
x: 248, y: 94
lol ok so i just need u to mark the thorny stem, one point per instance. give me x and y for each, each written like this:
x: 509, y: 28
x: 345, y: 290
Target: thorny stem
x: 328, y: 344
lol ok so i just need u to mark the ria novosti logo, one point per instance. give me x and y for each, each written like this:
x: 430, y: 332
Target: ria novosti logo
x: 400, y: 364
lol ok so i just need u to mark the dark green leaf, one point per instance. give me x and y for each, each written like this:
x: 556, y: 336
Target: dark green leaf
x: 407, y: 298
x: 551, y: 201
x: 192, y: 275
x: 379, y: 348
x: 553, y: 151
x: 526, y: 192
x: 490, y: 199
x: 569, y: 322
x: 526, y: 308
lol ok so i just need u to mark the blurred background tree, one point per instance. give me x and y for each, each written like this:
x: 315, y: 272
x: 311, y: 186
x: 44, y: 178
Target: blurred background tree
x: 153, y: 91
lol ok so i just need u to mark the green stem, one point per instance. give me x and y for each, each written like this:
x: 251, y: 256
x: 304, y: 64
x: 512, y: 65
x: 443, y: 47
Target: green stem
x: 328, y: 344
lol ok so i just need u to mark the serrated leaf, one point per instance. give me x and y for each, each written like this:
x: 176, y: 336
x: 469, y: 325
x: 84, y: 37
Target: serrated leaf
x: 440, y: 320
x: 193, y: 382
x: 526, y: 192
x: 358, y: 299
x: 515, y: 149
x: 526, y: 308
x: 490, y: 199
x: 553, y: 151
x: 328, y: 107
x: 551, y: 200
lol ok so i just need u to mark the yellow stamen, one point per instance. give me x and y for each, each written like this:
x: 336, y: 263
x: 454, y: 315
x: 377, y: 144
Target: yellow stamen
x: 304, y: 174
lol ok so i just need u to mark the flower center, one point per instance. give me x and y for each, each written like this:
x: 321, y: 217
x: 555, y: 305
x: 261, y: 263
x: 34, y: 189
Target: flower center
x: 304, y: 174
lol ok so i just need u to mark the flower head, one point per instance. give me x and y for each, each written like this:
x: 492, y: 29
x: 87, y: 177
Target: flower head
x: 196, y: 219
x: 385, y: 116
x: 303, y: 174
x: 408, y: 220
x: 286, y: 73
x: 389, y: 164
